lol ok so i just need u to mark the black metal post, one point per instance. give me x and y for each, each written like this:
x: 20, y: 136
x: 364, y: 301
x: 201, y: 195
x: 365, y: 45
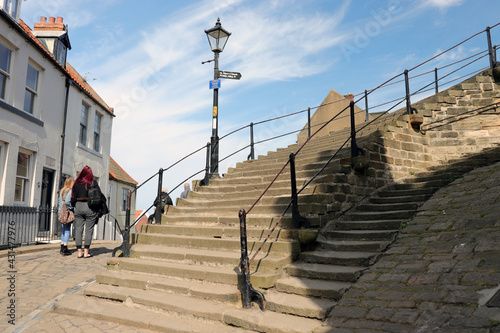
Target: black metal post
x: 490, y: 48
x: 207, y: 166
x: 248, y: 293
x: 436, y: 80
x: 251, y: 156
x: 158, y: 198
x: 367, y: 114
x: 297, y: 219
x: 407, y: 87
x: 354, y: 145
x: 308, y: 123
x: 214, y: 140
x: 125, y: 246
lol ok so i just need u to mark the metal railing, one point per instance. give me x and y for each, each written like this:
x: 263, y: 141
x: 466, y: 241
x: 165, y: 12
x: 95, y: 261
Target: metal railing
x: 431, y: 85
x: 20, y: 225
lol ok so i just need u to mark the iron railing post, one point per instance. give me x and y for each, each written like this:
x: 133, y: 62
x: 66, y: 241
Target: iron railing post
x: 436, y: 80
x: 126, y: 236
x: 490, y: 48
x: 125, y: 246
x: 251, y: 156
x: 157, y: 208
x: 308, y: 123
x: 367, y: 115
x: 297, y: 219
x: 207, y: 166
x: 354, y: 145
x: 248, y: 293
x: 407, y: 87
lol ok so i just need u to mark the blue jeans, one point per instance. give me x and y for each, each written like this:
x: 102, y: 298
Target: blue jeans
x: 66, y: 228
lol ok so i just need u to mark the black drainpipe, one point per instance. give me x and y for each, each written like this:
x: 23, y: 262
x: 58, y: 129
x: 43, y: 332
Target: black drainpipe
x: 69, y: 82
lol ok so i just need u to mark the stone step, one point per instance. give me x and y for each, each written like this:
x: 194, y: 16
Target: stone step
x: 106, y: 310
x: 267, y: 172
x: 219, y: 232
x: 339, y: 258
x: 275, y: 209
x: 324, y: 272
x: 407, y: 192
x: 402, y: 199
x: 311, y: 287
x: 319, y: 198
x: 355, y: 246
x: 377, y: 235
x: 298, y: 305
x: 420, y: 185
x: 387, y: 207
x: 287, y: 247
x: 374, y: 216
x: 255, y: 220
x: 368, y: 225
x: 214, y: 258
x: 193, y: 288
x: 203, y: 310
x: 223, y: 275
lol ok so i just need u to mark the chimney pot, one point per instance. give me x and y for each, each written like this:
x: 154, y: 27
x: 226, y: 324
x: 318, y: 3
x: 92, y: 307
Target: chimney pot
x: 43, y: 19
x: 52, y: 19
x: 59, y: 19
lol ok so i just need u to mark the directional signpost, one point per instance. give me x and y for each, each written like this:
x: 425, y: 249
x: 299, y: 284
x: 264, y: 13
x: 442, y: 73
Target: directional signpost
x: 229, y: 75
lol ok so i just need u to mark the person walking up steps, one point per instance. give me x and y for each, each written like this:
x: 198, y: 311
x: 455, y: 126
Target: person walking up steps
x: 85, y: 218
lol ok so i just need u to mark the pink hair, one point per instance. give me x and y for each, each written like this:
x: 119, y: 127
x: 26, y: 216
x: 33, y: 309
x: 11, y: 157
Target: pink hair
x: 85, y: 177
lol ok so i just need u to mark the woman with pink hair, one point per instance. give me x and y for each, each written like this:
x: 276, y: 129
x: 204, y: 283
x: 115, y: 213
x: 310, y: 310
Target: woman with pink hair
x: 85, y: 218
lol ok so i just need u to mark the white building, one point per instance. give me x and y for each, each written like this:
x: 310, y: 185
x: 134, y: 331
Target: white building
x: 52, y: 123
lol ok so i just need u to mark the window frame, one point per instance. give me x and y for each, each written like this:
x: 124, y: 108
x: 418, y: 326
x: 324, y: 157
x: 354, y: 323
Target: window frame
x: 124, y: 198
x: 97, y: 131
x: 24, y: 179
x: 82, y: 136
x: 5, y: 73
x: 12, y: 8
x: 33, y: 91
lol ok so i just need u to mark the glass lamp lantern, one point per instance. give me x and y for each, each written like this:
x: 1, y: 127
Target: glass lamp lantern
x: 217, y: 37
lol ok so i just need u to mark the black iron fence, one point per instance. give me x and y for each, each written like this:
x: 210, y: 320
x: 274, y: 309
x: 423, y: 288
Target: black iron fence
x: 24, y: 225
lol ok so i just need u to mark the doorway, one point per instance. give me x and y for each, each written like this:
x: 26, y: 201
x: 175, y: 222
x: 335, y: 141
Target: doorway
x: 46, y: 200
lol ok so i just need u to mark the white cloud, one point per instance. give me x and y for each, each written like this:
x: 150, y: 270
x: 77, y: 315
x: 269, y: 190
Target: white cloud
x: 443, y: 5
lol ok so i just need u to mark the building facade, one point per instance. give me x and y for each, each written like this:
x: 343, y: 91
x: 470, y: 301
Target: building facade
x: 52, y: 122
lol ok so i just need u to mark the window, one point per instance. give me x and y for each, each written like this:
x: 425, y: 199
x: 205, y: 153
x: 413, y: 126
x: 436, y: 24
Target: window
x: 124, y: 198
x: 97, y: 132
x: 22, y: 176
x: 61, y: 53
x: 84, y: 117
x: 11, y: 7
x: 5, y: 54
x: 31, y: 89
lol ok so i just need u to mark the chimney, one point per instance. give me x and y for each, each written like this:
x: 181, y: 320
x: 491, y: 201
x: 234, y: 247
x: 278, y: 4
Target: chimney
x: 52, y: 25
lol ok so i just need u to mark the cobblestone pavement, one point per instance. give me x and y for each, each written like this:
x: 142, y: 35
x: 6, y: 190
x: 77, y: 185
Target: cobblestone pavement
x: 41, y: 277
x: 441, y: 271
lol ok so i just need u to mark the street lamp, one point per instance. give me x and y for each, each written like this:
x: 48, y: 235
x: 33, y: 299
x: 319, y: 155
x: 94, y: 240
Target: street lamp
x: 217, y: 38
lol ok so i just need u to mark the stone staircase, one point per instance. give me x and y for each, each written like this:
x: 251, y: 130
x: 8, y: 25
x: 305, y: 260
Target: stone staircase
x: 183, y: 274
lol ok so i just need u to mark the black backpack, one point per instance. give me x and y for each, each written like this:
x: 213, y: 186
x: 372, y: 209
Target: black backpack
x: 95, y: 199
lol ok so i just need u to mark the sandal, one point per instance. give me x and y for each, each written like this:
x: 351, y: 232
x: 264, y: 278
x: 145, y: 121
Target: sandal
x: 89, y: 256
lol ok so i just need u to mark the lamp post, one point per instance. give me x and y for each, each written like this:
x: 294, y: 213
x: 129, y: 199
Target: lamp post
x: 217, y: 38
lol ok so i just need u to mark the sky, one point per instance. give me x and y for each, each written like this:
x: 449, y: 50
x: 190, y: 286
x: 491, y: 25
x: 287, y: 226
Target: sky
x: 144, y: 58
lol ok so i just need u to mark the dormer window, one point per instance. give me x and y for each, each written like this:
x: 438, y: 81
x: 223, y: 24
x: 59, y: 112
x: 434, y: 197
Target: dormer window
x: 54, y: 37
